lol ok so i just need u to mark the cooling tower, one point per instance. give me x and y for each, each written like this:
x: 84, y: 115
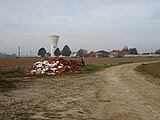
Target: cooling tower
x: 54, y: 41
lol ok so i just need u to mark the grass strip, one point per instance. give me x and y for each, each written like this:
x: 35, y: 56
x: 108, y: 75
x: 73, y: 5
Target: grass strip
x: 89, y: 68
x: 96, y: 67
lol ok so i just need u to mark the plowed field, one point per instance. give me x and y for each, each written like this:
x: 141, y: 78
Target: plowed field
x: 12, y: 63
x: 153, y: 68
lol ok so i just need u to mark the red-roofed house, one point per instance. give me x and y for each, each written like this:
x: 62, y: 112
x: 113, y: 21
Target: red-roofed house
x: 91, y: 54
x: 102, y: 53
x: 116, y: 54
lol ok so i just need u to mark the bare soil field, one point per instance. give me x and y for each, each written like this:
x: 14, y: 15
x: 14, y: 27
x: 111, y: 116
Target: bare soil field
x: 12, y: 63
x: 151, y: 71
x: 116, y: 93
x: 153, y: 68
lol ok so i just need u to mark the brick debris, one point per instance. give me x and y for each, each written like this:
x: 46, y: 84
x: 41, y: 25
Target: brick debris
x: 52, y: 66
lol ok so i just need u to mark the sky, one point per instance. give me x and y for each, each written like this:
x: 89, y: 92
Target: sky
x: 87, y: 24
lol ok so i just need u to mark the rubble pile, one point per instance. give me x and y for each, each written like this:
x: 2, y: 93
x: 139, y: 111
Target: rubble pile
x: 52, y: 66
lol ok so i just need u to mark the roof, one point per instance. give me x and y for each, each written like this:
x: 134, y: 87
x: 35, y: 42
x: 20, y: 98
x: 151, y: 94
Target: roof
x: 103, y: 51
x: 116, y: 51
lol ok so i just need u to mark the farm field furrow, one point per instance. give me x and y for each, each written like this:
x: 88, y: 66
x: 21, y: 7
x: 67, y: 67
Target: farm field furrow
x: 153, y: 68
x: 13, y: 63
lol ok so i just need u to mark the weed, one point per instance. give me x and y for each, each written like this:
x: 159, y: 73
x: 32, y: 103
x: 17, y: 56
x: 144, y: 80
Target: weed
x: 19, y: 70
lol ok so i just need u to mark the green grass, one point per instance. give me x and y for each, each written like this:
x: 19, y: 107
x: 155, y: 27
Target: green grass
x: 7, y: 73
x: 122, y: 63
x: 19, y: 70
x: 141, y: 68
x: 95, y: 67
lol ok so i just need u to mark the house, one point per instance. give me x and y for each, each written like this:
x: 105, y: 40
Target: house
x: 116, y: 54
x: 102, y: 53
x: 91, y: 54
x: 125, y: 53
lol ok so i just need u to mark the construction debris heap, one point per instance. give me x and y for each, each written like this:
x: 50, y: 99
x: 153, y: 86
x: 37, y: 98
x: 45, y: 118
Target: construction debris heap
x: 52, y: 66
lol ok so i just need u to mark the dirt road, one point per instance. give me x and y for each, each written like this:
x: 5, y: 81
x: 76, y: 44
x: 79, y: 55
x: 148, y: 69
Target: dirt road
x: 117, y: 93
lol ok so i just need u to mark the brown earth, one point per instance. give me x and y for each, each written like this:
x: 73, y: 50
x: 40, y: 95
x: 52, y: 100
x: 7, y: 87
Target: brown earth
x: 117, y: 93
x: 151, y: 71
x: 13, y: 63
x: 153, y: 68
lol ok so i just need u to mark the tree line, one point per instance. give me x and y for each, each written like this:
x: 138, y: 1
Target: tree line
x: 132, y: 51
x: 66, y: 51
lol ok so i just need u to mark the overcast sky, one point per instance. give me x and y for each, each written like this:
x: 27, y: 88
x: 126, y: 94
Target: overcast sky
x: 88, y: 24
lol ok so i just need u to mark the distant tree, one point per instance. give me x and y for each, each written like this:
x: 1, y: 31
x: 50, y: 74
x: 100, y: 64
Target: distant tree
x: 66, y: 51
x: 57, y: 52
x: 82, y: 53
x: 125, y: 49
x: 133, y: 51
x: 74, y: 52
x: 42, y: 52
x: 145, y: 53
x: 85, y: 52
x: 157, y: 51
x: 48, y: 54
